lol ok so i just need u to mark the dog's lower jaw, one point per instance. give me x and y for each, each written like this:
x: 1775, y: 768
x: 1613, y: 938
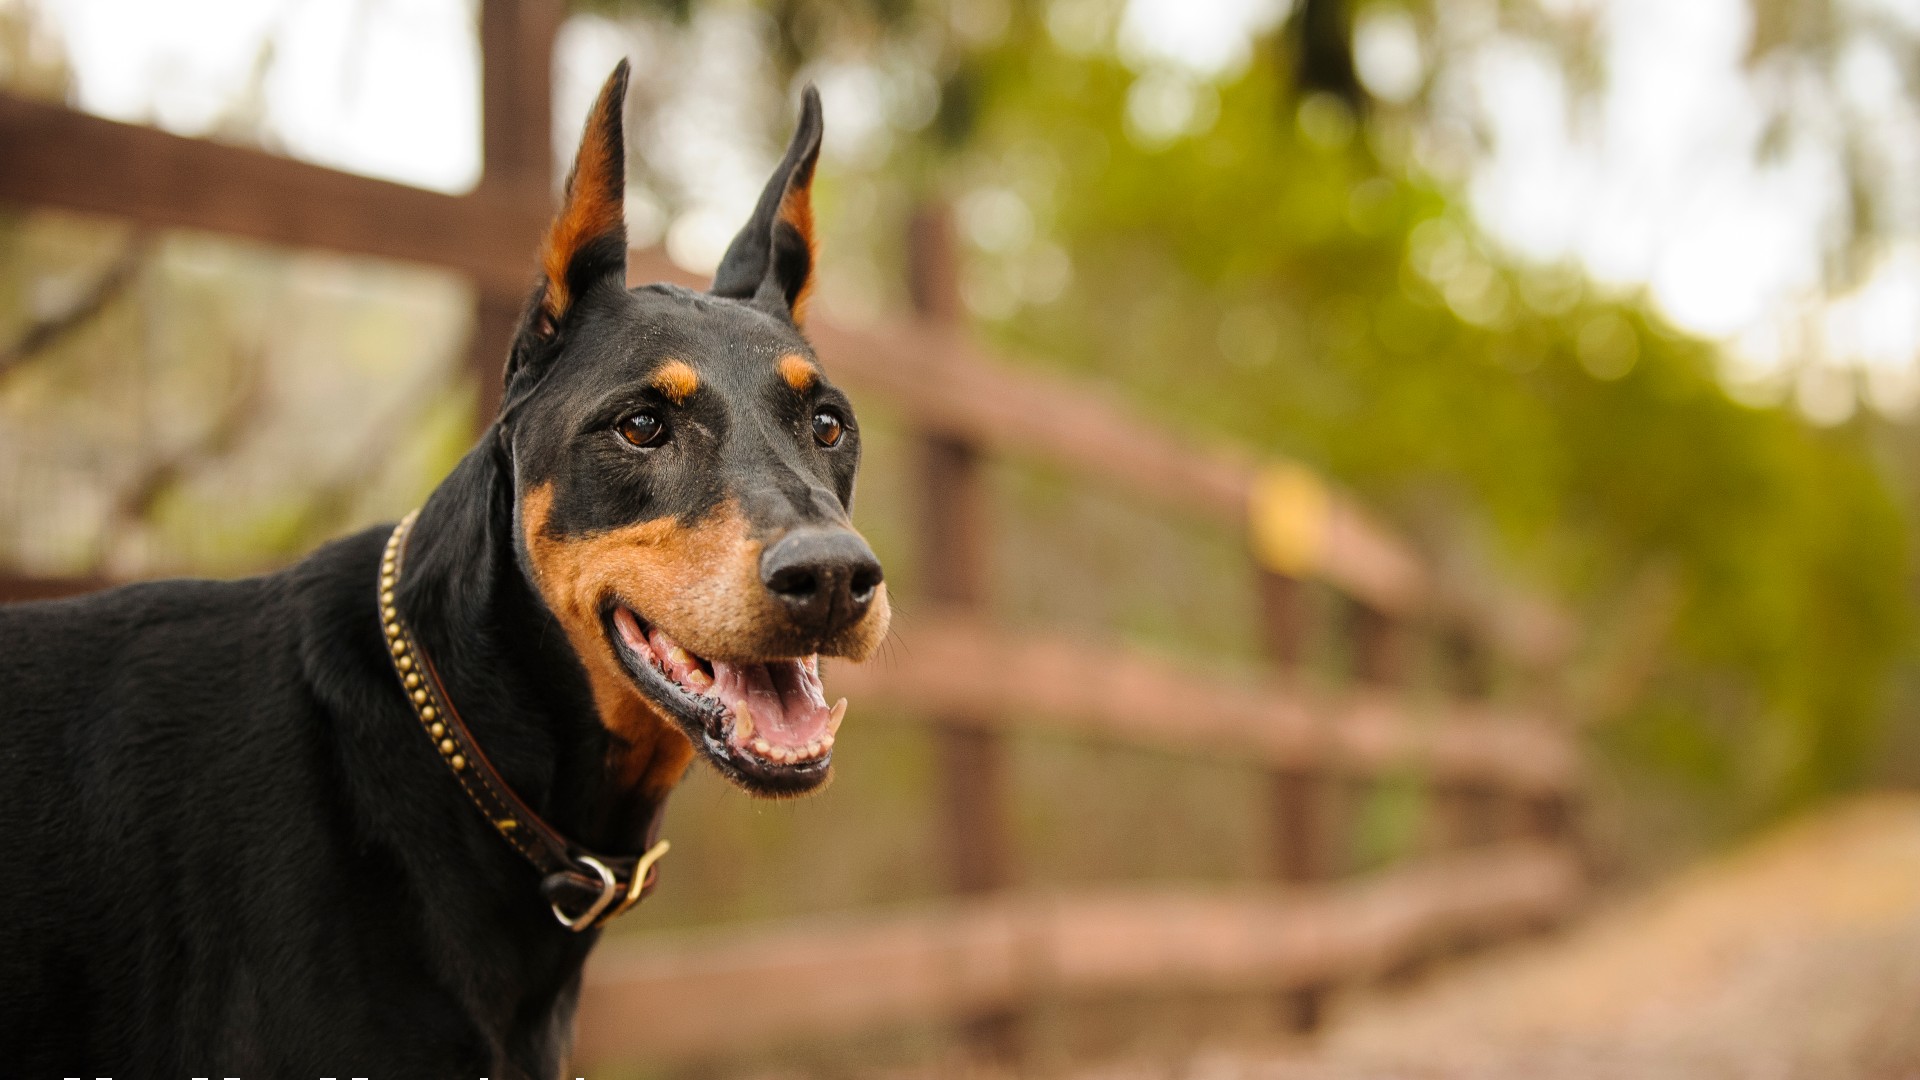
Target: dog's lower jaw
x: 650, y: 753
x: 764, y: 726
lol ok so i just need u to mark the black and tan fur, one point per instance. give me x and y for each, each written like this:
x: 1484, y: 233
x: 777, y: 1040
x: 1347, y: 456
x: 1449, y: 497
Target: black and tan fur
x: 228, y: 849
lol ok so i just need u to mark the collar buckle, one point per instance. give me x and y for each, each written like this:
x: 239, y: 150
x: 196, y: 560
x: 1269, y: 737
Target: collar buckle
x: 602, y: 911
x: 609, y: 887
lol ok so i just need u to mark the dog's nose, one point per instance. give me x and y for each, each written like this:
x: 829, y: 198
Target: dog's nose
x: 825, y: 578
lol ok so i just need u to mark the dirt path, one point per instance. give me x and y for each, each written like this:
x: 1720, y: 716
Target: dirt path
x: 1798, y: 957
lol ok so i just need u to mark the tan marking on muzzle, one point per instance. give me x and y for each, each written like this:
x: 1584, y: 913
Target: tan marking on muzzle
x: 699, y: 583
x: 654, y: 752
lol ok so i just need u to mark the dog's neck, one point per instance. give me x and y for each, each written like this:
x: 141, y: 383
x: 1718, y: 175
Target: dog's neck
x: 506, y: 662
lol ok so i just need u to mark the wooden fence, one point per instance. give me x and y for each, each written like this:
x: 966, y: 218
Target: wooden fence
x: 1504, y: 780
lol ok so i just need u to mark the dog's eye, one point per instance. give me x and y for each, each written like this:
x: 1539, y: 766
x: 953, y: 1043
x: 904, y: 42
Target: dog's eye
x: 643, y: 429
x: 827, y: 428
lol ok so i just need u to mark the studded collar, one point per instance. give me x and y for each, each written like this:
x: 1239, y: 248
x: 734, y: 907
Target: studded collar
x: 585, y: 889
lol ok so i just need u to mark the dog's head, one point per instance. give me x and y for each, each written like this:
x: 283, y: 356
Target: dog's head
x: 683, y: 475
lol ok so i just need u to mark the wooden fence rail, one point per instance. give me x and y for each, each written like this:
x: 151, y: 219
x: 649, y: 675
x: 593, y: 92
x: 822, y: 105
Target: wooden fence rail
x: 659, y: 998
x: 999, y: 678
x: 57, y: 157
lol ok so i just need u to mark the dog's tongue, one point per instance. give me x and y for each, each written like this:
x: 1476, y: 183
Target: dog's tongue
x: 788, y: 706
x: 779, y: 703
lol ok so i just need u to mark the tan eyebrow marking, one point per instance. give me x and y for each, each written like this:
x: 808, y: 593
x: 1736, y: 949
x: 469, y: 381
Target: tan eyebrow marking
x: 677, y: 380
x: 799, y: 372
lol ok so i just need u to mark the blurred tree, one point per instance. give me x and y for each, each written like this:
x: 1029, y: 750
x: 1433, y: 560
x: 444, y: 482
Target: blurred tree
x: 1321, y: 41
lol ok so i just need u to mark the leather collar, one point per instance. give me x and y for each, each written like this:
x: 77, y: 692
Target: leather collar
x: 585, y: 889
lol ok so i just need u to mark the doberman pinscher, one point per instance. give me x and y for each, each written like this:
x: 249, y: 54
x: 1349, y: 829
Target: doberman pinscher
x: 365, y: 816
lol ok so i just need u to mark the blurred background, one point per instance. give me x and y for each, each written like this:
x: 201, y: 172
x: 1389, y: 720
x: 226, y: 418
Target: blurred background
x: 1361, y: 480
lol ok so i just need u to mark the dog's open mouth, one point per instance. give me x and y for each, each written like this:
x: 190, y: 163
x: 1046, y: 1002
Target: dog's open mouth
x: 766, y: 725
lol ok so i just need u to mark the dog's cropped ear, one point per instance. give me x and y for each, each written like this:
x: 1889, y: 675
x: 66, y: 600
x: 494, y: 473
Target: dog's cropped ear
x: 770, y: 262
x: 587, y: 241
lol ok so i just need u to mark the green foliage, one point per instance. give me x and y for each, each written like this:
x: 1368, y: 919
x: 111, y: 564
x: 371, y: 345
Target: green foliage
x: 1286, y: 279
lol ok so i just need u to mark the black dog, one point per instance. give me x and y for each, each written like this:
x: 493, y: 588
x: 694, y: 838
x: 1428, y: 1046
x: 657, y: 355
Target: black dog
x: 241, y: 835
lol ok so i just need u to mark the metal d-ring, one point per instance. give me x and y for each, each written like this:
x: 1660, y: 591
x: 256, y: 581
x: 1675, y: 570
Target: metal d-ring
x: 609, y: 888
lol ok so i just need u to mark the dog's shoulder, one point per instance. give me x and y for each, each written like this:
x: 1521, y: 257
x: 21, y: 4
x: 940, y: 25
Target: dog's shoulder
x: 173, y: 765
x: 171, y: 712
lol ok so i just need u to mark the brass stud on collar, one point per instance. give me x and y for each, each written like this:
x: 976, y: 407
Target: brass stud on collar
x: 410, y: 675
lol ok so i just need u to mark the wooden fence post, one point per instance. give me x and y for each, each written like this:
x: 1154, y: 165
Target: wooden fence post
x: 1300, y: 799
x: 955, y: 573
x: 1465, y: 814
x: 1300, y: 826
x: 1377, y: 643
x: 516, y: 154
x: 1379, y: 648
x: 1377, y: 656
x: 1286, y: 523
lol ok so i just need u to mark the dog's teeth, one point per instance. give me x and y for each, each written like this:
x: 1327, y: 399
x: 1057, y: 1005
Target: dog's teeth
x: 680, y: 656
x: 826, y: 743
x: 743, y: 724
x: 834, y: 718
x: 782, y: 755
x: 699, y: 680
x: 761, y: 747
